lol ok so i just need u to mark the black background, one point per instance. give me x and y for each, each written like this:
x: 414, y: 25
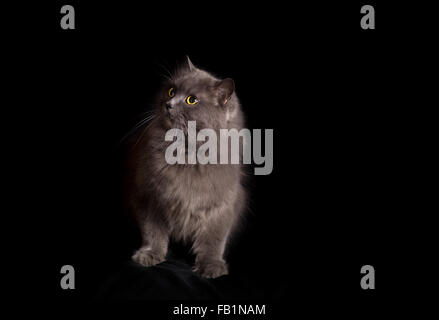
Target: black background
x: 342, y: 193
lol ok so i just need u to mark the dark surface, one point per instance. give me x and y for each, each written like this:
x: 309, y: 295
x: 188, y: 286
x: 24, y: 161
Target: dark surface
x: 174, y: 280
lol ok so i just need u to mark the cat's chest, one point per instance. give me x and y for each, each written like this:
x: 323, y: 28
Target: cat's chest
x: 194, y: 189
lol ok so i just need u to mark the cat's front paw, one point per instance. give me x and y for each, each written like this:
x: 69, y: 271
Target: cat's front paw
x: 211, y: 268
x: 147, y: 257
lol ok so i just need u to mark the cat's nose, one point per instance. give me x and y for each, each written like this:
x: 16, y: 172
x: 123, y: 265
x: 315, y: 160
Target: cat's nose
x: 168, y: 106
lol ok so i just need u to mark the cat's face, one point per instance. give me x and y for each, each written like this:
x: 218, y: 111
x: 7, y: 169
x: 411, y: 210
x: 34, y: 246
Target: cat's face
x: 195, y: 95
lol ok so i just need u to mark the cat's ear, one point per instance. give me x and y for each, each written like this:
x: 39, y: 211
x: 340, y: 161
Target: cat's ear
x: 225, y: 89
x: 190, y: 65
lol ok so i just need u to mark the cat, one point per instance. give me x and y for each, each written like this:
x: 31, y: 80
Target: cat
x: 200, y: 204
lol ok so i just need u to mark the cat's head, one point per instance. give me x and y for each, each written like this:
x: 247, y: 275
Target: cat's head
x: 192, y: 94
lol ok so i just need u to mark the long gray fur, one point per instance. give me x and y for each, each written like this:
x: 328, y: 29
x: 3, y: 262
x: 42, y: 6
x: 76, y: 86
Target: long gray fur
x: 200, y: 204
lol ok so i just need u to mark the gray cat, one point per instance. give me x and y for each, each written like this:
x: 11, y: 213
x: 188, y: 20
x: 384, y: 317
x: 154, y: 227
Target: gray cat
x: 200, y: 203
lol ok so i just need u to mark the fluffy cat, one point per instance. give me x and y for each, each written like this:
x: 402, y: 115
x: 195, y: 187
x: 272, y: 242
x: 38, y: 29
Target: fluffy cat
x: 200, y: 203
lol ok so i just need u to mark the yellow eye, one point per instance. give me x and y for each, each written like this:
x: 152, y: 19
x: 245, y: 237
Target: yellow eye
x: 191, y: 100
x: 171, y: 92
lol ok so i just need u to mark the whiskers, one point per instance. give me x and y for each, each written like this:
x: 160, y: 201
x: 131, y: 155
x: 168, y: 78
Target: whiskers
x: 151, y: 118
x: 148, y: 116
x: 146, y: 121
x: 167, y: 75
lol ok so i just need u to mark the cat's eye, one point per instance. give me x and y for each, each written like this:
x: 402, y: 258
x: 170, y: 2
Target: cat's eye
x: 191, y: 100
x: 171, y: 92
